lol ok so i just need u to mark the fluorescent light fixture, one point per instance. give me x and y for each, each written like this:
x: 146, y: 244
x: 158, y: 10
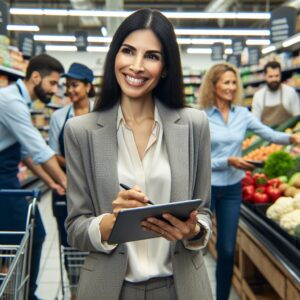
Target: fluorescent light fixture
x: 223, y: 15
x: 268, y: 49
x: 103, y: 30
x: 198, y: 51
x: 61, y: 48
x: 291, y: 41
x: 258, y: 42
x: 205, y: 51
x: 100, y: 13
x: 189, y: 41
x: 124, y: 14
x: 54, y: 38
x: 55, y: 12
x: 26, y: 11
x: 99, y: 39
x: 23, y: 28
x: 229, y: 32
x: 97, y: 49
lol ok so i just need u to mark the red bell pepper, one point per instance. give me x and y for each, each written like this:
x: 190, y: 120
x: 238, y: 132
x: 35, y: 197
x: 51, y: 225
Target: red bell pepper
x: 260, y: 179
x: 273, y: 192
x: 248, y: 192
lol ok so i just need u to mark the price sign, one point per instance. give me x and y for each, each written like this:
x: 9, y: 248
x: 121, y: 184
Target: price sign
x: 26, y: 44
x: 3, y: 18
x: 81, y: 40
x: 254, y: 55
x: 234, y: 59
x: 238, y: 46
x: 217, y: 51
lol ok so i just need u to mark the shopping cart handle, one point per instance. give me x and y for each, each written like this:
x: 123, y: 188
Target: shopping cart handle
x: 35, y: 193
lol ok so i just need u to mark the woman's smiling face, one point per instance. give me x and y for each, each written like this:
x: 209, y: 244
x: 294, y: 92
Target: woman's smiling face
x: 226, y: 87
x: 139, y: 64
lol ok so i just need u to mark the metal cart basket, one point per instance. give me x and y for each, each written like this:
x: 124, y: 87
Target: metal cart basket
x: 15, y: 259
x: 71, y: 260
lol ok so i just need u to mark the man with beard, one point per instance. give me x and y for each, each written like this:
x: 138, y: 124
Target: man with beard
x: 276, y: 102
x: 19, y: 139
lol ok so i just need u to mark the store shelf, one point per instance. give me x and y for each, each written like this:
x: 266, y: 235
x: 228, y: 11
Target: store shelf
x: 12, y: 72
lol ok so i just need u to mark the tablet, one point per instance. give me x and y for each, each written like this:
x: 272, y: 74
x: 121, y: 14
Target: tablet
x: 128, y: 227
x: 256, y: 163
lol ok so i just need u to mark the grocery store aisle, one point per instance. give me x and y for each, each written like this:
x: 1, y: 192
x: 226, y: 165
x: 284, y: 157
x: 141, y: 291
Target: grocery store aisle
x: 49, y: 287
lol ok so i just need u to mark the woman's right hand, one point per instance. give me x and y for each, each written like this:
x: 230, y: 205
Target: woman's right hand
x: 240, y: 163
x: 125, y: 199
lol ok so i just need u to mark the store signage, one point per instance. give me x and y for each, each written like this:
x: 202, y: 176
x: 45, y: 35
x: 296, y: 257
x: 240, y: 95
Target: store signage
x: 282, y: 23
x: 217, y: 51
x: 39, y: 48
x: 26, y: 44
x: 234, y: 59
x: 238, y: 46
x: 81, y: 40
x: 3, y: 18
x: 254, y: 55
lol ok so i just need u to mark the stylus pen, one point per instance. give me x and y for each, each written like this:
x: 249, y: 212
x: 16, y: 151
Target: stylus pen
x: 126, y: 187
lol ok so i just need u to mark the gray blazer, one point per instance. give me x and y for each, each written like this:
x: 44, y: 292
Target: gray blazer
x: 91, y: 154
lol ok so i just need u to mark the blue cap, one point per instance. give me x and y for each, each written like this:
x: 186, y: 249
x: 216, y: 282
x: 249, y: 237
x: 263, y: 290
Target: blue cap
x: 80, y: 72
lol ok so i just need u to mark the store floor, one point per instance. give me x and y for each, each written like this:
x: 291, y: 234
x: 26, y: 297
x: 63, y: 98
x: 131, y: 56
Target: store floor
x: 49, y: 286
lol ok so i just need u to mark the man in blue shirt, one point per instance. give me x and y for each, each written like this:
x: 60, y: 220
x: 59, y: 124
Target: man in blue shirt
x: 20, y: 139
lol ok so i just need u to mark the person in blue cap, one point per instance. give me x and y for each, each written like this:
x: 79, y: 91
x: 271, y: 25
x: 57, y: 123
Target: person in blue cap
x: 80, y: 90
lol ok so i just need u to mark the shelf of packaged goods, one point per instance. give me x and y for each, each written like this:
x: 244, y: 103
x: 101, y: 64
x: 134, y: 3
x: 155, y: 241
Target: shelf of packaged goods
x: 253, y: 82
x: 12, y: 72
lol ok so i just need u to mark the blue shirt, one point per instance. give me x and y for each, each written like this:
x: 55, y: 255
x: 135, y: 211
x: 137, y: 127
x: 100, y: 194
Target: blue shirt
x: 227, y: 138
x: 16, y: 124
x: 57, y: 122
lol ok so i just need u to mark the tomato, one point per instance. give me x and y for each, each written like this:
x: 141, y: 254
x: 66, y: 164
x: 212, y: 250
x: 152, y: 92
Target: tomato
x: 273, y: 192
x: 248, y: 192
x: 260, y: 197
x: 275, y: 182
x: 247, y: 180
x: 260, y: 179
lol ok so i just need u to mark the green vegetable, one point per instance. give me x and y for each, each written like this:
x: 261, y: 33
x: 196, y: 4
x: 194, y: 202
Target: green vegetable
x: 279, y: 163
x: 297, y: 231
x: 294, y: 178
x: 283, y: 179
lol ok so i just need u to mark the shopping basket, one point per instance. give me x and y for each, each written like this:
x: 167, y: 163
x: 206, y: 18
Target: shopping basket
x: 73, y: 260
x: 15, y: 259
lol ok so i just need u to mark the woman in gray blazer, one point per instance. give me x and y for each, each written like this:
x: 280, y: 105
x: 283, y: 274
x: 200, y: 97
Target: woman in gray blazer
x: 140, y: 134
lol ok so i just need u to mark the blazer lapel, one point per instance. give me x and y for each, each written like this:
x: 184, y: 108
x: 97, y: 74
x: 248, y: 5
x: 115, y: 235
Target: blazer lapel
x: 176, y: 135
x: 105, y: 156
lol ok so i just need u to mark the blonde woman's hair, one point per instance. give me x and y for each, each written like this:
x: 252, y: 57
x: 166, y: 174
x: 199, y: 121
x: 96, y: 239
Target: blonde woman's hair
x: 207, y: 96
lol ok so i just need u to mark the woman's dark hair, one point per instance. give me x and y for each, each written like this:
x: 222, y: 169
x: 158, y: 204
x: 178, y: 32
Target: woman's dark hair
x: 91, y: 92
x: 44, y: 64
x: 169, y: 89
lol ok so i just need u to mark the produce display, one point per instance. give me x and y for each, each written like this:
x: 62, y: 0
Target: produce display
x: 276, y: 184
x: 262, y: 152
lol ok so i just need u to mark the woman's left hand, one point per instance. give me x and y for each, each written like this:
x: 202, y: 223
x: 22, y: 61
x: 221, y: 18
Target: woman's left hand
x: 295, y: 138
x: 173, y: 229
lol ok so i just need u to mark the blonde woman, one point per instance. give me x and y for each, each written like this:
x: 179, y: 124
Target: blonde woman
x: 220, y: 95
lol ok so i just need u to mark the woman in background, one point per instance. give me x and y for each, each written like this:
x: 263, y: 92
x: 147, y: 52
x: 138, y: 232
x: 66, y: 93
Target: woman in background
x: 220, y: 95
x: 79, y: 89
x: 140, y: 134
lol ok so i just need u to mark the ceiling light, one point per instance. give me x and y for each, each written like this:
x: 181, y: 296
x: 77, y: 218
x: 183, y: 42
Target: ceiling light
x: 229, y: 32
x: 23, y: 28
x: 268, y: 49
x: 99, y: 39
x: 291, y: 41
x: 189, y: 41
x: 61, y: 48
x: 199, y: 50
x: 96, y: 49
x: 206, y: 51
x: 54, y: 38
x: 124, y: 14
x: 258, y: 42
x: 26, y: 11
x: 103, y: 30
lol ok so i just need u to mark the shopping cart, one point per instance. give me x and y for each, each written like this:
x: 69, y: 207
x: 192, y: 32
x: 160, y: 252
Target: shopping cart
x: 72, y: 260
x: 15, y: 259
